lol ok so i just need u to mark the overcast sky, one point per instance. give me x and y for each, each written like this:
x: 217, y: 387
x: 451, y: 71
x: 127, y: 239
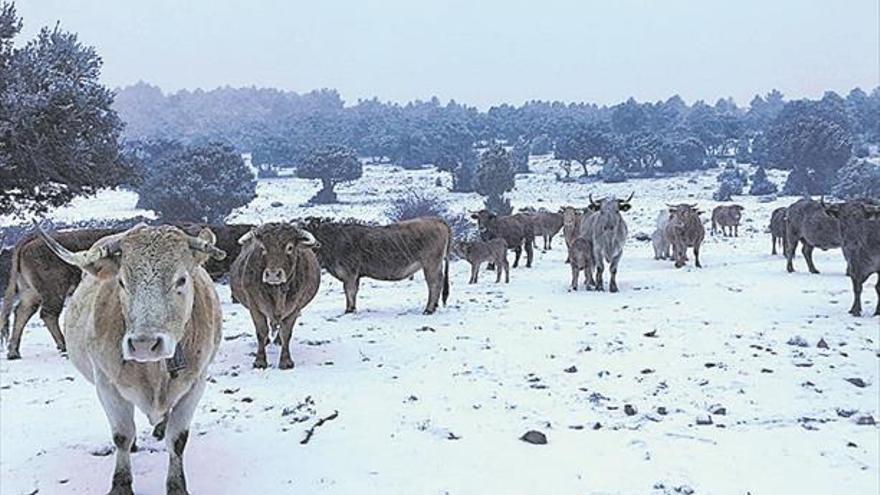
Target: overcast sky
x: 482, y: 52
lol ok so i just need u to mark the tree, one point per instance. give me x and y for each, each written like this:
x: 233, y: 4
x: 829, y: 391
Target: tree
x: 679, y: 155
x: 198, y: 184
x: 331, y: 164
x: 761, y: 185
x: 731, y: 181
x: 519, y: 156
x: 58, y: 133
x: 494, y: 178
x: 585, y: 143
x: 859, y: 179
x: 612, y: 171
x: 813, y: 140
x: 541, y: 145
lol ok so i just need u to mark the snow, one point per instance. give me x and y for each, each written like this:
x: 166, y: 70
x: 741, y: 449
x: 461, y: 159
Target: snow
x: 437, y: 404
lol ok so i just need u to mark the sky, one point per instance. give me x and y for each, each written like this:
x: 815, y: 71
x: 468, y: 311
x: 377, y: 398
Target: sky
x: 482, y: 52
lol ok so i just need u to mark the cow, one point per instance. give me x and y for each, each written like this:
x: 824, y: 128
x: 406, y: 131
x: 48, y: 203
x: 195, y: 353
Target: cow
x: 143, y: 326
x: 606, y: 231
x: 727, y: 217
x: 580, y: 255
x: 777, y: 228
x: 571, y: 221
x: 350, y: 251
x: 275, y: 276
x: 545, y: 224
x: 39, y: 280
x: 659, y: 240
x: 860, y: 236
x: 477, y: 252
x: 807, y: 222
x: 516, y: 230
x: 685, y: 230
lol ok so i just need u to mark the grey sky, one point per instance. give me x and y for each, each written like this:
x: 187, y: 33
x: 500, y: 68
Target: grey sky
x: 482, y: 52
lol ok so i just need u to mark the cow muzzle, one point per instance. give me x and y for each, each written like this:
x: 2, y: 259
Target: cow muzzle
x: 147, y: 347
x: 274, y: 277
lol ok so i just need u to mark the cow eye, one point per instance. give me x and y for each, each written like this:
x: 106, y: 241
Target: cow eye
x: 121, y: 284
x: 180, y: 282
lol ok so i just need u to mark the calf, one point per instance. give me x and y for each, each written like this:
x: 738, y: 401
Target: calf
x: 777, y: 228
x: 659, y: 240
x: 727, y: 217
x: 580, y: 255
x: 571, y: 221
x: 860, y: 233
x: 685, y: 230
x: 516, y: 230
x: 545, y: 224
x: 477, y: 252
x: 143, y: 326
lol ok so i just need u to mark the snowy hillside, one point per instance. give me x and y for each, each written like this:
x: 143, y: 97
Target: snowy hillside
x: 732, y: 379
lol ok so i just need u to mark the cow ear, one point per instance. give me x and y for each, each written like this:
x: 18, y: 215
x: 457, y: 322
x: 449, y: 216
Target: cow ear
x: 873, y: 212
x: 474, y: 216
x: 594, y: 207
x: 832, y: 210
x: 625, y: 207
x: 246, y: 238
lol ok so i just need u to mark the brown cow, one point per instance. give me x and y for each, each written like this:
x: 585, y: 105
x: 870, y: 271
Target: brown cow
x: 477, y: 252
x: 580, y: 255
x: 143, y: 326
x: 545, y: 224
x: 860, y: 233
x: 727, y: 217
x: 350, y: 251
x: 807, y: 222
x: 275, y: 276
x: 685, y: 230
x: 571, y: 221
x: 516, y: 229
x: 777, y: 228
x: 606, y: 230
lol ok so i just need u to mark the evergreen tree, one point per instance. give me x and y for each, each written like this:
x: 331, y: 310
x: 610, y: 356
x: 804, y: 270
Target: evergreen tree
x: 731, y: 181
x: 331, y: 164
x: 761, y: 185
x: 519, y: 156
x: 859, y: 179
x: 495, y: 177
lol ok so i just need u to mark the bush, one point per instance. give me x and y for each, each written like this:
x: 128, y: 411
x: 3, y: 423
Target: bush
x: 858, y: 179
x: 198, y: 184
x: 495, y: 175
x: 498, y: 205
x: 731, y: 181
x: 612, y: 172
x: 331, y: 164
x: 761, y: 185
x: 415, y: 204
x: 541, y: 145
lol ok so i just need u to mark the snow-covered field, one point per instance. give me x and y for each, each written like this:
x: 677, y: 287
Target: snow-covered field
x: 620, y: 384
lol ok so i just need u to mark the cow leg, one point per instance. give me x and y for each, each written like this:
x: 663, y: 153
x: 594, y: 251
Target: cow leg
x: 517, y: 252
x: 857, y: 280
x: 120, y: 415
x: 530, y: 253
x: 600, y: 267
x: 50, y: 310
x: 612, y: 267
x: 262, y: 328
x: 285, y: 362
x: 678, y: 255
x: 506, y: 266
x: 499, y: 270
x: 27, y: 306
x: 736, y: 230
x: 434, y: 278
x: 807, y: 251
x: 176, y: 436
x: 575, y: 272
x: 697, y: 256
x: 773, y: 244
x: 351, y: 286
x: 475, y: 267
x: 789, y: 245
x: 877, y: 289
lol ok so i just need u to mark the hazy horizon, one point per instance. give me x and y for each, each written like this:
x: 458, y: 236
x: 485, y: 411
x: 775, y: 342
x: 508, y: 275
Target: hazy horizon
x: 481, y: 55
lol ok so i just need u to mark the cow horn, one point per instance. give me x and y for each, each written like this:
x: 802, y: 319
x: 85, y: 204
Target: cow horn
x: 246, y: 238
x: 306, y: 238
x: 627, y: 200
x: 591, y: 199
x: 199, y: 244
x: 81, y: 259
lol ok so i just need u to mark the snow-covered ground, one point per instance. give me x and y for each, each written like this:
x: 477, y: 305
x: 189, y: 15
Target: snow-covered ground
x: 437, y: 404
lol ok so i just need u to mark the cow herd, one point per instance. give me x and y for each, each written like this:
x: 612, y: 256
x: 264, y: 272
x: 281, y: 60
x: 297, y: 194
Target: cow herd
x: 143, y: 317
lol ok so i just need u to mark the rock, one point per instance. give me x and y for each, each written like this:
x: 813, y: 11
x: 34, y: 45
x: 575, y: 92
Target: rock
x: 630, y: 409
x: 858, y: 382
x: 571, y: 369
x: 822, y: 344
x: 276, y: 204
x: 845, y: 413
x: 798, y: 341
x: 534, y: 437
x: 718, y: 410
x: 597, y: 425
x: 652, y: 333
x: 704, y: 419
x: 641, y: 236
x: 662, y: 411
x: 866, y: 420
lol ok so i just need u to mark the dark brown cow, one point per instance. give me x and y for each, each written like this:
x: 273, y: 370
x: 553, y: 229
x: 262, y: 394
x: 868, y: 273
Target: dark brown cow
x: 777, y: 228
x: 727, y: 217
x: 860, y: 233
x: 350, y: 251
x: 227, y: 240
x: 545, y: 224
x: 685, y: 230
x: 807, y: 222
x: 516, y: 230
x: 275, y: 276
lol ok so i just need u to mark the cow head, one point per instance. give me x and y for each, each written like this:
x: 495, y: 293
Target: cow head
x: 609, y: 210
x: 278, y: 245
x: 153, y: 269
x: 484, y: 219
x: 570, y: 214
x: 681, y: 214
x: 854, y: 210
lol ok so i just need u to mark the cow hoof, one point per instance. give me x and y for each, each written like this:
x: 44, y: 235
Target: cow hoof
x: 260, y: 363
x: 814, y: 271
x: 121, y: 490
x: 699, y: 265
x: 349, y: 310
x: 13, y: 355
x: 285, y: 364
x: 856, y: 311
x: 679, y: 264
x: 428, y: 312
x: 612, y: 289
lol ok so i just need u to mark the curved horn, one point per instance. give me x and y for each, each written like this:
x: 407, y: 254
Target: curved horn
x: 307, y: 239
x: 246, y: 238
x: 591, y: 199
x: 80, y: 258
x: 627, y: 200
x: 199, y: 244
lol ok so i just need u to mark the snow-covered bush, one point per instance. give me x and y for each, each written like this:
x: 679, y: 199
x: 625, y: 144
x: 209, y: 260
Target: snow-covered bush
x: 199, y: 184
x: 761, y: 185
x: 858, y: 179
x: 731, y: 181
x: 415, y: 204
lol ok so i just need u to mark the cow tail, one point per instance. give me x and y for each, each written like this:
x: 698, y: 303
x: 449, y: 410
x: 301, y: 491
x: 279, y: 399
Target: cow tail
x: 446, y: 269
x: 11, y: 292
